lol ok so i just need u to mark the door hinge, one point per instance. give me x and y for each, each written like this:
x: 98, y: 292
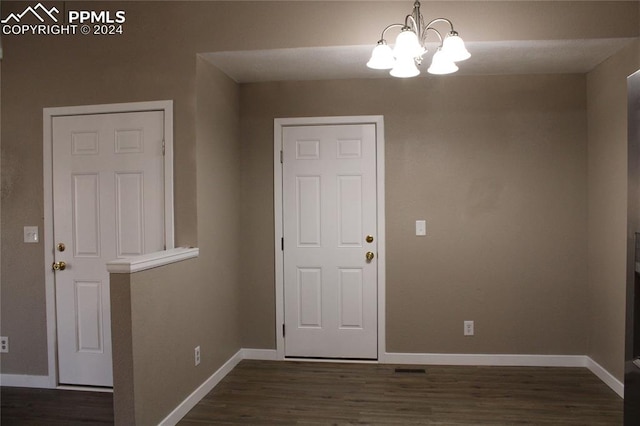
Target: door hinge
x: 281, y: 161
x: 163, y: 147
x: 283, y: 330
x: 282, y: 244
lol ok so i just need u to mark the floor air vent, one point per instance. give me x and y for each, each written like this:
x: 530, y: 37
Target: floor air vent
x: 410, y: 370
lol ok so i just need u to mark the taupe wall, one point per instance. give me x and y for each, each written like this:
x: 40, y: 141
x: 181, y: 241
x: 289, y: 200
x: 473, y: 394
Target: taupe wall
x: 607, y: 183
x: 63, y: 71
x: 155, y: 59
x: 122, y: 344
x: 497, y: 167
x: 154, y: 311
x: 162, y: 314
x: 218, y: 172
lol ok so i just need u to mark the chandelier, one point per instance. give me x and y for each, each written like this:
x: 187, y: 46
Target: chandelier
x: 407, y: 53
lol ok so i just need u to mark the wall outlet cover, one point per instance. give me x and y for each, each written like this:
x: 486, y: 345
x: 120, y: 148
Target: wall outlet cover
x: 31, y: 234
x: 468, y: 328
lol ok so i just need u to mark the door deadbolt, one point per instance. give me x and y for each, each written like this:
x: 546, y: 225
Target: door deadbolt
x: 61, y: 247
x: 369, y: 238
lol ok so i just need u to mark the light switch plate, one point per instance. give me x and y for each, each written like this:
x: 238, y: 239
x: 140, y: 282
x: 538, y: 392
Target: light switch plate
x: 421, y: 228
x: 31, y: 234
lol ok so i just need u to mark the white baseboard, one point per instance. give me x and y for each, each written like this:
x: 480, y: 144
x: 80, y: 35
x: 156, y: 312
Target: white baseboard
x: 181, y: 410
x: 84, y: 389
x: 616, y: 385
x: 508, y: 360
x: 260, y: 354
x: 25, y: 381
x: 485, y: 359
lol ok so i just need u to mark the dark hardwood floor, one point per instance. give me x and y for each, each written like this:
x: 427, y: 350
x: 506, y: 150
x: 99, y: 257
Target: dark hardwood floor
x: 51, y: 407
x: 279, y: 393
x: 304, y: 393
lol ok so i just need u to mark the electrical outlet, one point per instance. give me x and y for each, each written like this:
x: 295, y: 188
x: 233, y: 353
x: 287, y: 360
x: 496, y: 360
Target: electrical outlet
x: 468, y: 328
x: 196, y: 354
x: 4, y: 344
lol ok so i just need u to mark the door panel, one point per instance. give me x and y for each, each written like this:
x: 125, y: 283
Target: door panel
x: 351, y: 291
x: 310, y: 297
x: 108, y: 190
x: 350, y: 211
x: 308, y: 210
x: 88, y: 303
x: 86, y: 215
x: 329, y: 206
x: 129, y: 214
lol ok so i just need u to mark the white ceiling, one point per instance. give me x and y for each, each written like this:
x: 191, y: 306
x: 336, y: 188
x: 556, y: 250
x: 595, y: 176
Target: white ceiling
x: 343, y: 62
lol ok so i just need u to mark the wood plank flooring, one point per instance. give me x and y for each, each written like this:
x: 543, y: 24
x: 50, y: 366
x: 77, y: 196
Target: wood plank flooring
x: 305, y: 393
x: 52, y: 407
x: 278, y: 393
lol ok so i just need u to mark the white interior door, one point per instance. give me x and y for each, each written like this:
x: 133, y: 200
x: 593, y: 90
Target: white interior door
x: 108, y: 192
x: 329, y: 209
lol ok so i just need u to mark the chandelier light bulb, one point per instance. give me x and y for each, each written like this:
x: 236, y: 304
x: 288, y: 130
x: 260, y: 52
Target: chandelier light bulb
x: 442, y: 64
x: 381, y: 57
x: 408, y: 45
x: 454, y: 48
x: 405, y: 67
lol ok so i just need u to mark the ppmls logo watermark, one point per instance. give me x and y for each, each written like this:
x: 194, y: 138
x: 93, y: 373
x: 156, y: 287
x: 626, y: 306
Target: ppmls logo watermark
x: 40, y: 20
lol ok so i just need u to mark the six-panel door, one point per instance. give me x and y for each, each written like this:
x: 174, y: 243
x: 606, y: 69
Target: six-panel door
x: 329, y: 209
x: 108, y: 189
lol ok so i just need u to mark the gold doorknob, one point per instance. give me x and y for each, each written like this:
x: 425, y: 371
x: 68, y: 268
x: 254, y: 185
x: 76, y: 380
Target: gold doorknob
x: 369, y: 238
x: 369, y: 256
x: 59, y: 266
x: 61, y: 247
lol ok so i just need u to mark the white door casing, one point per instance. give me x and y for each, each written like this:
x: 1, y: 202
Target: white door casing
x: 329, y: 197
x: 109, y: 200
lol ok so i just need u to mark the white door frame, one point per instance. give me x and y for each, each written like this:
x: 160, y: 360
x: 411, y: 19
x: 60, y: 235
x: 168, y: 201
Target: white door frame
x: 48, y: 115
x: 279, y: 124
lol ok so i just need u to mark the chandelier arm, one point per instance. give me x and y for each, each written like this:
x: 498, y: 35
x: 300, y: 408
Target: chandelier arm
x: 389, y: 27
x: 435, y: 31
x: 411, y: 19
x: 434, y: 21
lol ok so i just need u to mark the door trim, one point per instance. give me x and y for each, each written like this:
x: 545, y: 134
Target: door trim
x: 48, y: 115
x: 279, y: 125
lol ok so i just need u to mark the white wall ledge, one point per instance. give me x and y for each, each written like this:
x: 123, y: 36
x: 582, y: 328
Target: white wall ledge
x: 129, y: 265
